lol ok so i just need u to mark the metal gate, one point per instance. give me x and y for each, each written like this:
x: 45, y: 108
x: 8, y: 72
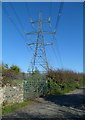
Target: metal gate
x: 34, y: 86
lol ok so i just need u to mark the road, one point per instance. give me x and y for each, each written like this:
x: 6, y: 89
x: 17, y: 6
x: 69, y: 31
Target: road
x: 68, y: 106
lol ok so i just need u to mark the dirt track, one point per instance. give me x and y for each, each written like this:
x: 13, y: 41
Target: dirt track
x: 66, y: 106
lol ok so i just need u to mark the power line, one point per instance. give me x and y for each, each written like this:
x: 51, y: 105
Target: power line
x: 18, y: 18
x: 15, y: 25
x: 58, y: 51
x: 29, y: 15
x: 50, y: 8
x: 9, y: 17
x: 56, y: 25
x: 13, y: 8
x: 28, y: 12
x: 50, y: 11
x: 55, y: 54
x: 59, y: 14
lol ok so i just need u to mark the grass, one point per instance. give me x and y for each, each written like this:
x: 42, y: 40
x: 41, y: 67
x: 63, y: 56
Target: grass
x: 15, y: 106
x: 17, y: 81
x: 70, y: 89
x: 65, y: 90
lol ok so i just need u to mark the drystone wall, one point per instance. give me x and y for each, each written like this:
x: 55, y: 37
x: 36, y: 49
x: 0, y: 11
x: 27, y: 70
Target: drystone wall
x: 11, y: 94
x: 1, y: 96
x: 1, y: 90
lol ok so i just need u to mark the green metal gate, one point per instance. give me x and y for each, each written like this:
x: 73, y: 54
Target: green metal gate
x: 34, y: 86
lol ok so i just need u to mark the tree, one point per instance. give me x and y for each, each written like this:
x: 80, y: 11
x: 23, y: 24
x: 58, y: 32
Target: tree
x: 15, y: 68
x: 5, y: 66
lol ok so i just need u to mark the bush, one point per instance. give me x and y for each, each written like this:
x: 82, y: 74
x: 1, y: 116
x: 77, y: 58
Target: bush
x: 15, y: 68
x: 9, y: 76
x: 61, y: 81
x: 53, y: 88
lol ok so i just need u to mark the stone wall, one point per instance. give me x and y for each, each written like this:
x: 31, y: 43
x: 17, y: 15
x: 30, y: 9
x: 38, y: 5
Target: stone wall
x: 1, y: 90
x: 11, y: 94
x: 1, y: 95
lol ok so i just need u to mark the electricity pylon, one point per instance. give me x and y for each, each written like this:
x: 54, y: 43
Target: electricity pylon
x: 39, y: 61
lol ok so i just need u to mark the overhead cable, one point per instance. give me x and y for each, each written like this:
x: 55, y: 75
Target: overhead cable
x: 59, y: 14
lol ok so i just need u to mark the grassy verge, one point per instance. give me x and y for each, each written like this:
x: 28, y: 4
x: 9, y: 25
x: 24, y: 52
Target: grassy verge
x: 62, y: 92
x: 15, y: 106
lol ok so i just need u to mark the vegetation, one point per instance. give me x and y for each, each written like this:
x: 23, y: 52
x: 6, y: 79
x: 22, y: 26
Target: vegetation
x: 58, y: 81
x: 15, y: 68
x: 15, y: 106
x: 9, y: 77
x: 4, y: 66
x: 62, y: 81
x: 11, y: 74
x: 0, y: 68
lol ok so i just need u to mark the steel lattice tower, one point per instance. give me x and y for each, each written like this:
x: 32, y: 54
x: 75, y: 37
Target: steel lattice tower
x: 39, y: 61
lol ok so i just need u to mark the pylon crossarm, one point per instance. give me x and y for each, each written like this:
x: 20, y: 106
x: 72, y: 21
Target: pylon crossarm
x: 49, y: 32
x: 31, y: 33
x: 38, y: 22
x: 48, y: 44
x: 39, y: 43
x: 44, y: 32
x: 30, y: 44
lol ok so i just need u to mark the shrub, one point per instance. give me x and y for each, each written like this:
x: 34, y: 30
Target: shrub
x: 15, y: 68
x: 9, y: 76
x: 63, y: 81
